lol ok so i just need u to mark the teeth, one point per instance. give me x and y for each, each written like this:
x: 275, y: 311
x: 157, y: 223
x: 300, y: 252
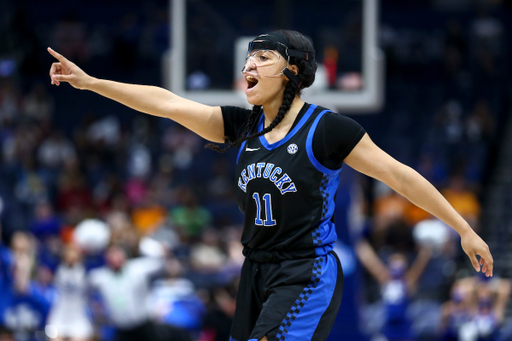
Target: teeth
x: 251, y: 79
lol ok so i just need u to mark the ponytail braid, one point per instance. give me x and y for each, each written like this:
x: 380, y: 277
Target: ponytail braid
x: 289, y: 95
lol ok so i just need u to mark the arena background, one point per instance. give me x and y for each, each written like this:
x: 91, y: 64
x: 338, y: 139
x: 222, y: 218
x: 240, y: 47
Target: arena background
x: 149, y: 186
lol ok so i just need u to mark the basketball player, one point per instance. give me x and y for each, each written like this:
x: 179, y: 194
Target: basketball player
x: 288, y: 169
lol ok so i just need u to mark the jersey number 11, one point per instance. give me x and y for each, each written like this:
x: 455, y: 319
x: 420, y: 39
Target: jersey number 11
x: 269, y: 221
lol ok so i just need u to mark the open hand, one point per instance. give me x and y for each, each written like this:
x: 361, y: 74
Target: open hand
x: 473, y: 245
x: 66, y: 71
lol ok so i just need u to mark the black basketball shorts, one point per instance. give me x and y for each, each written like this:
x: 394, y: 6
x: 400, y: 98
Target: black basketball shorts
x: 295, y: 300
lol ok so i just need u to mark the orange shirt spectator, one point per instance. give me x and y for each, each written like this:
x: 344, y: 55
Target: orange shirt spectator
x: 463, y: 200
x: 147, y: 219
x: 389, y: 209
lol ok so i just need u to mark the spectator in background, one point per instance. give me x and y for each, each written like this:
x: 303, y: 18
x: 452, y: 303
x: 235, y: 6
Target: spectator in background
x: 163, y: 183
x: 182, y: 143
x: 463, y: 200
x: 42, y: 285
x: 26, y: 140
x: 23, y: 247
x: 233, y: 265
x: 69, y: 315
x: 388, y: 208
x: 136, y: 188
x: 22, y: 309
x: 149, y: 215
x: 398, y: 285
x: 189, y: 217
x: 30, y: 186
x: 124, y: 287
x: 105, y: 191
x: 123, y: 231
x: 74, y: 198
x: 389, y: 212
x: 476, y: 309
x: 37, y: 104
x: 139, y: 160
x: 207, y: 259
x: 105, y: 132
x: 492, y: 301
x: 45, y: 223
x: 455, y: 313
x: 173, y: 301
x: 55, y: 151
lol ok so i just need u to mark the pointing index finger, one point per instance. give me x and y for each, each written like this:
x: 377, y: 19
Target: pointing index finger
x: 57, y: 55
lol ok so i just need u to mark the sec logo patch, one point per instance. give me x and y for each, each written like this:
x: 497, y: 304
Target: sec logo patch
x: 292, y: 149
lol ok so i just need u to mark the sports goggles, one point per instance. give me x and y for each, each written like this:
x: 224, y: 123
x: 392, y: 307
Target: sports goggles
x: 263, y: 59
x: 265, y: 53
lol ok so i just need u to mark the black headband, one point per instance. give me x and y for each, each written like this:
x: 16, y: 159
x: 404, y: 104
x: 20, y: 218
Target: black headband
x: 278, y: 42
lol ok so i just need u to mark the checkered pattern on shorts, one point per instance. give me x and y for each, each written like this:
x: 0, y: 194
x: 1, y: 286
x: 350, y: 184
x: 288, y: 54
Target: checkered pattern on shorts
x: 299, y: 303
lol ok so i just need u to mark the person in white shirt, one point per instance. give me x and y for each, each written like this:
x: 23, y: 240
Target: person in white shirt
x: 68, y: 316
x: 124, y: 286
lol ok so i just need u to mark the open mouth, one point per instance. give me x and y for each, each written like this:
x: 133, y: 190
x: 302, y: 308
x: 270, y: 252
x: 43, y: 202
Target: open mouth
x: 251, y: 82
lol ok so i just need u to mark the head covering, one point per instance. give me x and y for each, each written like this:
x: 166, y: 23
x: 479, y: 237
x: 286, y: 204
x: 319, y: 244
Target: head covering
x: 278, y: 42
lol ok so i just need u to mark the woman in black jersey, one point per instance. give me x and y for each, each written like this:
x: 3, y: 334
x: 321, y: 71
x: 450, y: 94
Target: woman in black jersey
x: 288, y: 165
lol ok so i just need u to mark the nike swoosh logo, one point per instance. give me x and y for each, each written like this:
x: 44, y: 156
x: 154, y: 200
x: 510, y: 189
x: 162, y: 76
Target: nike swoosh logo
x: 251, y: 149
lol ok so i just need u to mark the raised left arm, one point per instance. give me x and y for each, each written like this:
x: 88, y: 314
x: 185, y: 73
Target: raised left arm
x: 369, y: 159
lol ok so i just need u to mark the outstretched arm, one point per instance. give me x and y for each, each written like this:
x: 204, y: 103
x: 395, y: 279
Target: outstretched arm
x: 204, y: 120
x: 369, y: 159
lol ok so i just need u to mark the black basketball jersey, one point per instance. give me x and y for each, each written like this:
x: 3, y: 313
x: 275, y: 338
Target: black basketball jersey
x: 287, y: 196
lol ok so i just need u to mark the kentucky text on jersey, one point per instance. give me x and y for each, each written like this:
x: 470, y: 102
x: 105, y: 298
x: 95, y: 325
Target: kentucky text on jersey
x: 267, y: 171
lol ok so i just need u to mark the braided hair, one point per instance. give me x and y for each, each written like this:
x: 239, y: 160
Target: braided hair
x: 306, y: 75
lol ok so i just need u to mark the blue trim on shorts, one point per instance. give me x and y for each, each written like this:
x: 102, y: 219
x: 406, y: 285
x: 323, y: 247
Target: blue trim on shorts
x: 303, y: 318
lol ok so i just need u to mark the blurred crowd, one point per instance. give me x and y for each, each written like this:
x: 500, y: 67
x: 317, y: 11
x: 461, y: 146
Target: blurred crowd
x: 121, y: 226
x: 451, y: 90
x: 104, y: 233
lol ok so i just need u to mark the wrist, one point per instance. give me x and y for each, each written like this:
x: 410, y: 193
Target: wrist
x: 465, y: 230
x: 90, y: 83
